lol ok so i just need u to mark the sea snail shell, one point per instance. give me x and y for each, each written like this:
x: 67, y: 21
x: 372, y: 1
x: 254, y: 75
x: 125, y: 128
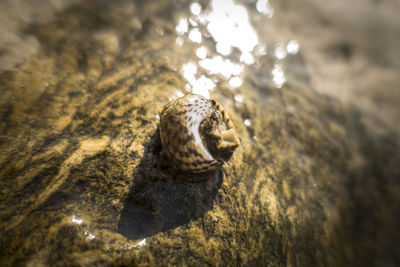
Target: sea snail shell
x: 196, y: 134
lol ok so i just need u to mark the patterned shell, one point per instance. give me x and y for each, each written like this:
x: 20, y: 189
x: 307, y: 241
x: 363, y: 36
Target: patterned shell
x: 196, y: 133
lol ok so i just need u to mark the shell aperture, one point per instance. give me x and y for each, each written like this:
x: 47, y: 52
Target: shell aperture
x: 196, y: 134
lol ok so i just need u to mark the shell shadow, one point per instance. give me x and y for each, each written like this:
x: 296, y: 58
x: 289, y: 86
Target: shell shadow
x: 164, y: 198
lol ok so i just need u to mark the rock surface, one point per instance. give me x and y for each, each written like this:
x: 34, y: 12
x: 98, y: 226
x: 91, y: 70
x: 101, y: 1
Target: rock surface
x: 82, y: 178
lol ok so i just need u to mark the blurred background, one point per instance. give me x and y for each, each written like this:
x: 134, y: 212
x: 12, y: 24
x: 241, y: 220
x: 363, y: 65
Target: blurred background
x: 351, y: 49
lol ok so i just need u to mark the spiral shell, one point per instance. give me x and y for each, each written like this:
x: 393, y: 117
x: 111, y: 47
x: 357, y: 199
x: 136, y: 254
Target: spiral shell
x: 196, y: 134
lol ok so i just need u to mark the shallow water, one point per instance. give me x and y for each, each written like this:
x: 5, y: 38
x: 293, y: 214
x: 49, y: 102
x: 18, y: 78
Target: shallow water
x: 312, y: 90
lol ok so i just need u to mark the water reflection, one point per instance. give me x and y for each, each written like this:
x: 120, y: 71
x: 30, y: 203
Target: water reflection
x: 239, y: 98
x: 260, y: 50
x: 195, y: 9
x: 280, y: 51
x: 182, y: 26
x: 247, y: 58
x: 195, y: 36
x: 293, y: 47
x: 235, y: 82
x: 202, y: 52
x: 228, y: 45
x: 91, y: 236
x: 189, y: 71
x: 264, y: 7
x: 141, y: 242
x: 201, y: 85
x: 247, y: 122
x: 228, y: 24
x: 76, y: 221
x: 224, y: 67
x: 278, y: 76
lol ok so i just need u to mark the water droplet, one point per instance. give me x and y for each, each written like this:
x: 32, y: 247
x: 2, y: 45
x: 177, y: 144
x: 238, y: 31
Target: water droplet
x: 293, y: 47
x: 247, y: 122
x: 195, y: 35
x: 264, y: 7
x: 182, y: 26
x: 247, y: 58
x: 280, y: 51
x: 278, y: 76
x: 239, y: 98
x: 201, y: 52
x: 195, y: 9
x: 235, y: 82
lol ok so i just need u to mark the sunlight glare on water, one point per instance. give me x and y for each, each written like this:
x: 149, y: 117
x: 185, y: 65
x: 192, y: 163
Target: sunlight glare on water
x: 239, y: 98
x: 227, y: 44
x: 195, y: 36
x: 224, y: 67
x: 201, y: 85
x: 235, y: 82
x: 195, y: 8
x: 142, y: 242
x: 264, y: 7
x: 228, y: 24
x: 76, y: 220
x: 293, y: 47
x: 278, y: 76
x: 182, y: 26
x: 280, y: 51
x: 201, y: 52
x: 247, y: 122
